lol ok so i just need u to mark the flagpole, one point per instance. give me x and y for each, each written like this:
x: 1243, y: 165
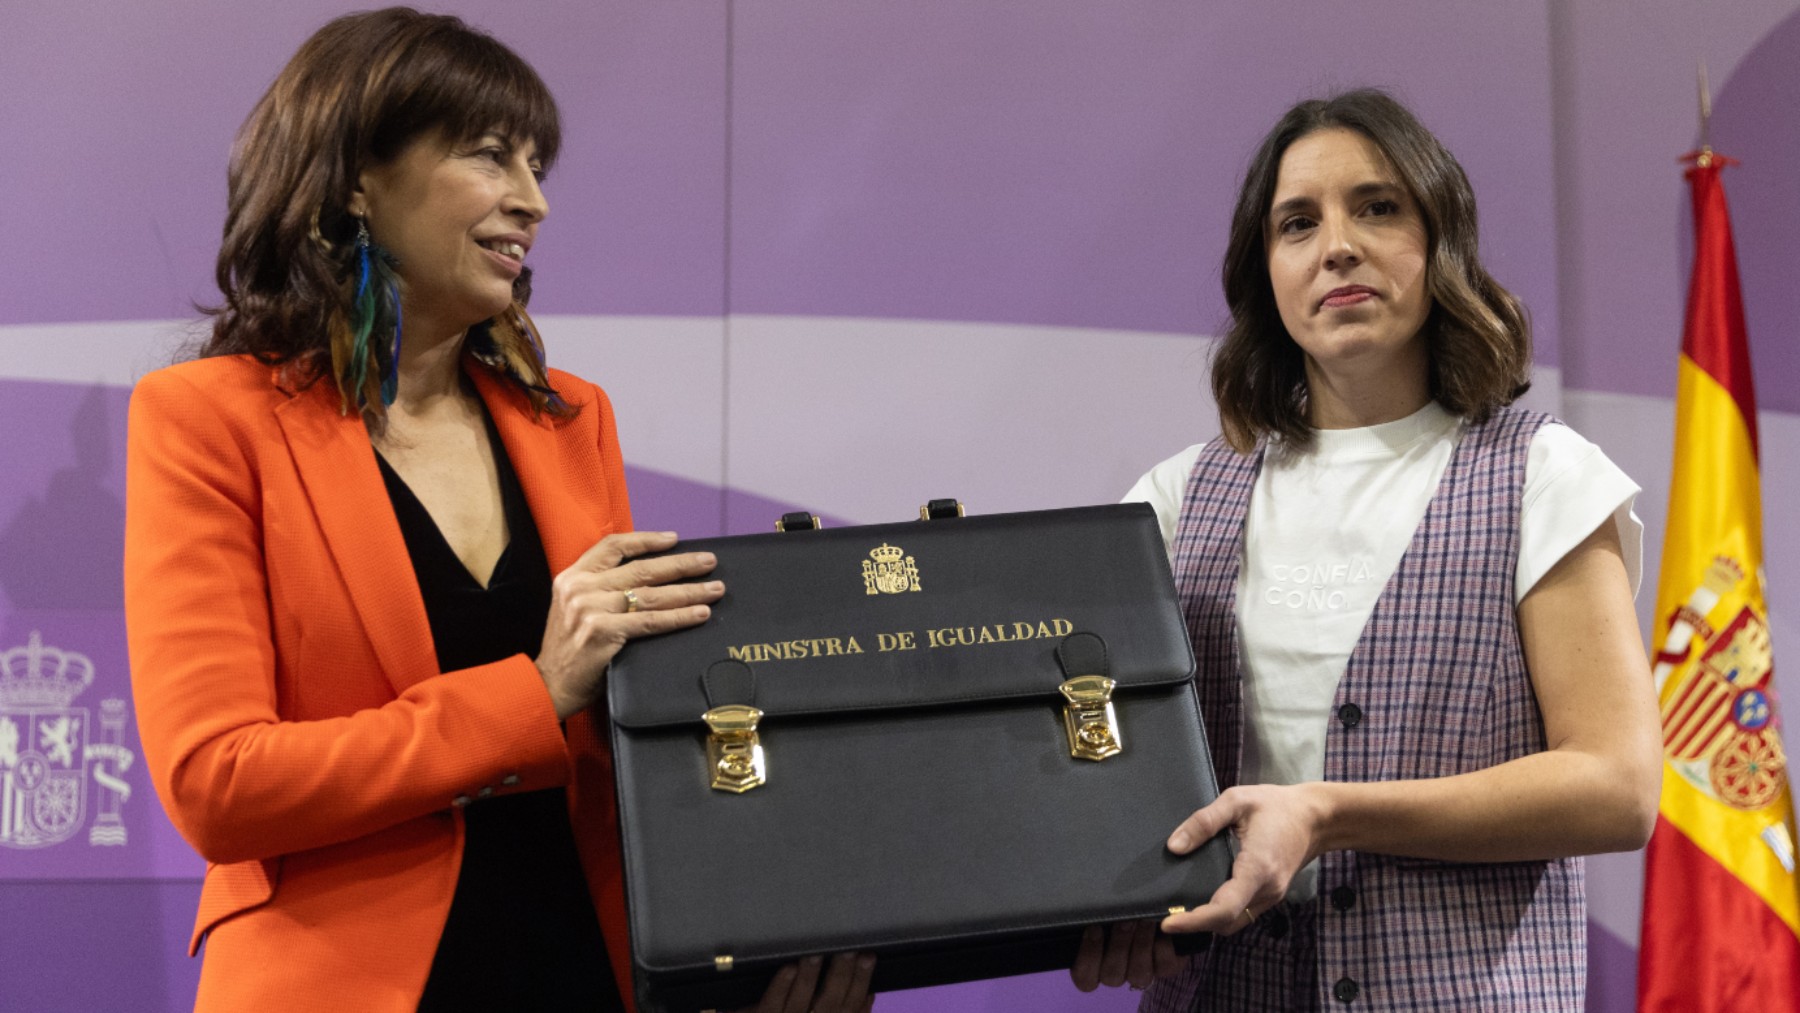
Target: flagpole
x: 1705, y: 156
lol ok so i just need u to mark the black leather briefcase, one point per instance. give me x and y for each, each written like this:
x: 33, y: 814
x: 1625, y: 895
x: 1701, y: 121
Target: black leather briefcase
x: 953, y: 742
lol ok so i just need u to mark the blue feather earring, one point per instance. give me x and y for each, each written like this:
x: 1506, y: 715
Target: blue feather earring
x: 373, y: 309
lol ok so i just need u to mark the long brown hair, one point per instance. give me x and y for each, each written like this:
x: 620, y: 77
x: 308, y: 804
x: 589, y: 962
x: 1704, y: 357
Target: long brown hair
x: 358, y: 92
x: 1477, y: 332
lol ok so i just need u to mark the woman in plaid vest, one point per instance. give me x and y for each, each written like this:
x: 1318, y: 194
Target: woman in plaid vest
x: 1411, y: 605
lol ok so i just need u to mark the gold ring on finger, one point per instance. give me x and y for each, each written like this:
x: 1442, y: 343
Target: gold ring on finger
x: 1249, y: 916
x: 631, y: 601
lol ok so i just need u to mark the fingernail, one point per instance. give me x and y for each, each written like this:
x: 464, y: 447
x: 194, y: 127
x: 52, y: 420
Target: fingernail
x: 708, y: 559
x: 1180, y: 841
x: 667, y: 534
x: 703, y: 612
x: 715, y: 585
x: 866, y: 961
x: 812, y: 962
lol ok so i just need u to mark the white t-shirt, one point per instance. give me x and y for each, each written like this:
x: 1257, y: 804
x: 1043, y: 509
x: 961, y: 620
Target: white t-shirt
x: 1326, y: 529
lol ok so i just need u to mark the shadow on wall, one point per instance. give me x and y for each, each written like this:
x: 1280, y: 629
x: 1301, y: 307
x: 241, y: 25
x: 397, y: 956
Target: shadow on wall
x: 1753, y: 122
x: 65, y: 547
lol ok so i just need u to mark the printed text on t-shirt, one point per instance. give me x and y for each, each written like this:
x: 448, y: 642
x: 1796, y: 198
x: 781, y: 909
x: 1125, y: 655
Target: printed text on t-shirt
x: 1315, y: 587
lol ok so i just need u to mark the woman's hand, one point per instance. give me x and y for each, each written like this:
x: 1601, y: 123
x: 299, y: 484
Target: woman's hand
x: 1279, y: 829
x: 798, y: 988
x: 1126, y: 952
x: 608, y: 597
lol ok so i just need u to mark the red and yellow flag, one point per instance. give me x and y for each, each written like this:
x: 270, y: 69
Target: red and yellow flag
x: 1721, y: 929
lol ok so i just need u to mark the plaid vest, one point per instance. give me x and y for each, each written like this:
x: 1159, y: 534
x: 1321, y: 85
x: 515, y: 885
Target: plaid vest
x: 1436, y: 685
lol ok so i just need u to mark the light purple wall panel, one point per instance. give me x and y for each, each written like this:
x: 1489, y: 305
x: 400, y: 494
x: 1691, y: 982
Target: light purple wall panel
x: 131, y: 108
x: 638, y: 197
x: 1627, y: 107
x: 1068, y: 163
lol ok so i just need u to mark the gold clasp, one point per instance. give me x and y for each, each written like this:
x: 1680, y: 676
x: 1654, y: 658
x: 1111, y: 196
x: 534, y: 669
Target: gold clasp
x: 734, y: 750
x: 1089, y: 718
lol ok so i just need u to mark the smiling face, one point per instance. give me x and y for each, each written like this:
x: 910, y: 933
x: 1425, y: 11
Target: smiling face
x: 459, y: 219
x: 1347, y: 263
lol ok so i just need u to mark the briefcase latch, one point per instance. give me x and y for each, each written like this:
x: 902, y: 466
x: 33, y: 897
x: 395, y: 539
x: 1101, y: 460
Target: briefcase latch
x: 1089, y: 718
x: 734, y: 750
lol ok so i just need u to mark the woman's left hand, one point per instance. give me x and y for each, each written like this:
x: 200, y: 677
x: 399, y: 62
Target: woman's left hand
x: 1279, y: 829
x: 799, y: 988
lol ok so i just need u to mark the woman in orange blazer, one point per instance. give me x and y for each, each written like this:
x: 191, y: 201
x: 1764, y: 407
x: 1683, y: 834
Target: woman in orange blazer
x: 344, y: 494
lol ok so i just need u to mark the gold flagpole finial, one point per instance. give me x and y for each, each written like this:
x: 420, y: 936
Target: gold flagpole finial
x: 1706, y: 153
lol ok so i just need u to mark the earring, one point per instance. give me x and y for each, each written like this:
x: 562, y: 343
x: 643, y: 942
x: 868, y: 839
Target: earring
x: 374, y: 307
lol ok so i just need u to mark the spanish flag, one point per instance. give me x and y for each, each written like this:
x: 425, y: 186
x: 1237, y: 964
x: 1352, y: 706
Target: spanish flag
x: 1721, y: 928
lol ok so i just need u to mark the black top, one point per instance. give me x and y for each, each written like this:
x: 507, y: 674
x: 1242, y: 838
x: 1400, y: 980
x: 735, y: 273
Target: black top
x: 522, y: 933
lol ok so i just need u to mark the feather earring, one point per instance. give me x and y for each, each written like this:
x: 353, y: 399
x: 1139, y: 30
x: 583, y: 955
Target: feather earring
x: 374, y: 308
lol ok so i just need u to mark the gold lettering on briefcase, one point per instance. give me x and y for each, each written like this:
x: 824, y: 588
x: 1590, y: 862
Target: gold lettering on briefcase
x: 889, y: 570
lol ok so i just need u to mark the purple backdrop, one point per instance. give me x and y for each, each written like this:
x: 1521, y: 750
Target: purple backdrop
x: 1020, y: 173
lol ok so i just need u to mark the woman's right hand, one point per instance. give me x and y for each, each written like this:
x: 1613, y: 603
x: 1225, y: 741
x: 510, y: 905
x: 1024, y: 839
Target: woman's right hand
x: 608, y: 597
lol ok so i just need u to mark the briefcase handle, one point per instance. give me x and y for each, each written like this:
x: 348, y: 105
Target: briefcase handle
x: 941, y: 509
x: 799, y: 520
x: 935, y: 510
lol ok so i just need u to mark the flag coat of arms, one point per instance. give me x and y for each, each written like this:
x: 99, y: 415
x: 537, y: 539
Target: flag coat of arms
x: 1721, y: 927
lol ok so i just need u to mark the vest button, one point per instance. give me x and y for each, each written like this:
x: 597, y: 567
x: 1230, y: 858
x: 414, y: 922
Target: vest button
x: 1350, y: 715
x: 1276, y: 924
x: 1343, y: 898
x: 1345, y: 990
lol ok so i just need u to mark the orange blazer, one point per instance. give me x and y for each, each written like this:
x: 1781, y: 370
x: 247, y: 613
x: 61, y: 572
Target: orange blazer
x: 292, y: 715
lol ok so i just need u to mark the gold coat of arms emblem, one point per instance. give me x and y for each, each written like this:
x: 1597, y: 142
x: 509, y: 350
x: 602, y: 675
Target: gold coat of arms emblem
x: 1719, y: 728
x: 889, y: 570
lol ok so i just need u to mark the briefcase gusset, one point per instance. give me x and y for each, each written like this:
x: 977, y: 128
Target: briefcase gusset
x: 931, y: 783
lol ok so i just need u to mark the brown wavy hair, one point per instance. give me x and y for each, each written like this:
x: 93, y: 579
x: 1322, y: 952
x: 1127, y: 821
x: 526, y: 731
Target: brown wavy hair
x: 357, y: 93
x: 1477, y: 333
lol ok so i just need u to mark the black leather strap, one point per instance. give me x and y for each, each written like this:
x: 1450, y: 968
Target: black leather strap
x: 727, y: 682
x: 1082, y: 653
